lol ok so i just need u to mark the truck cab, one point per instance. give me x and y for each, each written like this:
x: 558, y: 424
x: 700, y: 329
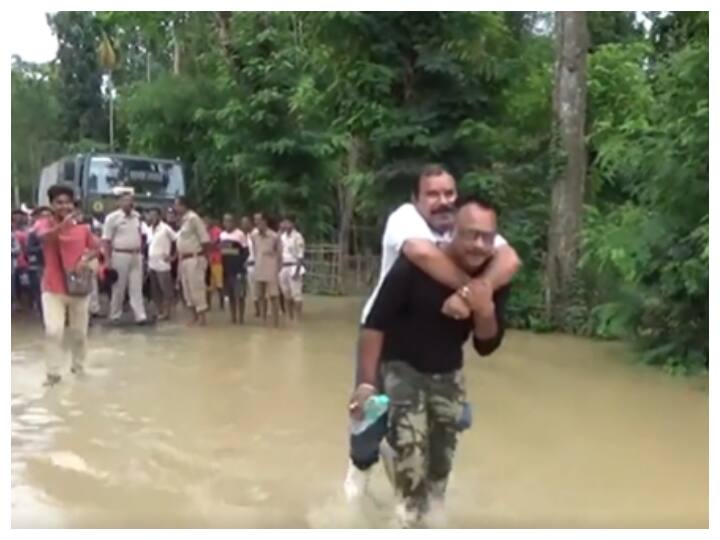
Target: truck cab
x: 99, y: 177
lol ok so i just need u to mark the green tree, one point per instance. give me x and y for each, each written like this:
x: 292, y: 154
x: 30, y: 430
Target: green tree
x: 83, y: 114
x: 35, y: 124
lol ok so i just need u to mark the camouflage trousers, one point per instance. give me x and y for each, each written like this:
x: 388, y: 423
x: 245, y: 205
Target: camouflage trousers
x: 424, y: 420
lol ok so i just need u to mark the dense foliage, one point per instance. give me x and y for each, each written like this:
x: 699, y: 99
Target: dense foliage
x: 328, y: 115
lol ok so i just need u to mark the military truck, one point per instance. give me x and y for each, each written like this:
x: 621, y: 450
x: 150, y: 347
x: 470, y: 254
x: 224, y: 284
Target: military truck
x: 100, y: 177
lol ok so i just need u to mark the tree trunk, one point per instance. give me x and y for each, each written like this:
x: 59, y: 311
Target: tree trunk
x: 569, y: 102
x: 346, y: 206
x: 176, y: 51
x: 223, y: 25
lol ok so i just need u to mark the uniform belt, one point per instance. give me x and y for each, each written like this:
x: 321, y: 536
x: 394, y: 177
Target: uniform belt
x: 290, y: 264
x: 132, y: 251
x: 250, y: 263
x: 190, y: 255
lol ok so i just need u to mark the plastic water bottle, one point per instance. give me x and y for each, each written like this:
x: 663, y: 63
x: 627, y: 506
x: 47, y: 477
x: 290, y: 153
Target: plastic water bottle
x: 374, y: 407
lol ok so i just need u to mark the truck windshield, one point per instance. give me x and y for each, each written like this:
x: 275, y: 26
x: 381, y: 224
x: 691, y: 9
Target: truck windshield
x: 149, y: 178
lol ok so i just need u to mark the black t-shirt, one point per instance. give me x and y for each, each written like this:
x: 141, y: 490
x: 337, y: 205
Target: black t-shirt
x: 407, y: 310
x: 234, y: 255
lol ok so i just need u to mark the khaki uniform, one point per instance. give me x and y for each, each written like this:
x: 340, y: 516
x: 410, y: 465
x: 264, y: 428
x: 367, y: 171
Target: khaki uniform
x: 267, y: 250
x: 290, y: 277
x: 193, y: 263
x: 123, y: 233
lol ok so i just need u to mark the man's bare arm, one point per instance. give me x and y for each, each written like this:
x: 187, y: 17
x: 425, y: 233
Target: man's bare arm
x: 369, y: 349
x: 107, y: 249
x: 503, y: 266
x: 52, y: 232
x: 435, y: 263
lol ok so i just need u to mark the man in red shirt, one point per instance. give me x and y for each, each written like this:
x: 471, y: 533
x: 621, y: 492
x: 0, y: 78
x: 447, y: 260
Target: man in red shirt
x: 67, y: 246
x: 216, y: 266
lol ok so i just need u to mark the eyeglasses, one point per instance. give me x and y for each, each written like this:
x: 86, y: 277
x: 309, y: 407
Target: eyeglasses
x: 471, y: 235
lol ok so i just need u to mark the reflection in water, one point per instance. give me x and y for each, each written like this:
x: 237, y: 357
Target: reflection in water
x: 246, y: 427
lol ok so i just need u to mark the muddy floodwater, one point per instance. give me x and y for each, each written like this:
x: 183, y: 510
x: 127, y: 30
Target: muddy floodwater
x: 246, y: 427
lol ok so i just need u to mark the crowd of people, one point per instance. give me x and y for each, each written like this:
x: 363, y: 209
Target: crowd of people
x: 148, y: 260
x: 444, y: 279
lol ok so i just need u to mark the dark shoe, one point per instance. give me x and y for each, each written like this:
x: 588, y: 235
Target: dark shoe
x: 52, y: 379
x: 77, y: 370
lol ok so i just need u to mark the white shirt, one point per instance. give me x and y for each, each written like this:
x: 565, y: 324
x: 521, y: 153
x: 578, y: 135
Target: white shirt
x: 293, y: 247
x: 160, y: 241
x: 251, y: 250
x: 235, y: 236
x: 406, y: 223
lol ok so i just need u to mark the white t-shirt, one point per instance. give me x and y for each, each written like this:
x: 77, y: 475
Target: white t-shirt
x: 235, y: 236
x: 160, y: 241
x: 293, y: 246
x: 251, y: 250
x: 405, y: 223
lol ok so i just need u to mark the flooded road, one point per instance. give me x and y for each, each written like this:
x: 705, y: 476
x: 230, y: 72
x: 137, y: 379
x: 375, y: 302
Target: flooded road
x: 246, y: 427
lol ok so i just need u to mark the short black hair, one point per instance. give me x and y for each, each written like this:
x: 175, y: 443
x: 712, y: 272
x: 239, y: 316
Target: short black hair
x: 17, y: 213
x: 155, y: 209
x: 183, y: 200
x: 478, y: 200
x: 40, y: 209
x: 57, y: 190
x: 290, y: 217
x: 428, y: 171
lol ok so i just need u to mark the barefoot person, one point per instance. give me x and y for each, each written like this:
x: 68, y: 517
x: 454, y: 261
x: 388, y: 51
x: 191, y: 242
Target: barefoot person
x: 215, y: 275
x: 291, y: 273
x: 193, y: 244
x: 413, y: 353
x: 68, y: 247
x: 161, y: 238
x: 233, y: 246
x: 247, y: 226
x: 268, y: 257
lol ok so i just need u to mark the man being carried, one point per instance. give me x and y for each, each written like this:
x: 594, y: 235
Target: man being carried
x: 413, y: 352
